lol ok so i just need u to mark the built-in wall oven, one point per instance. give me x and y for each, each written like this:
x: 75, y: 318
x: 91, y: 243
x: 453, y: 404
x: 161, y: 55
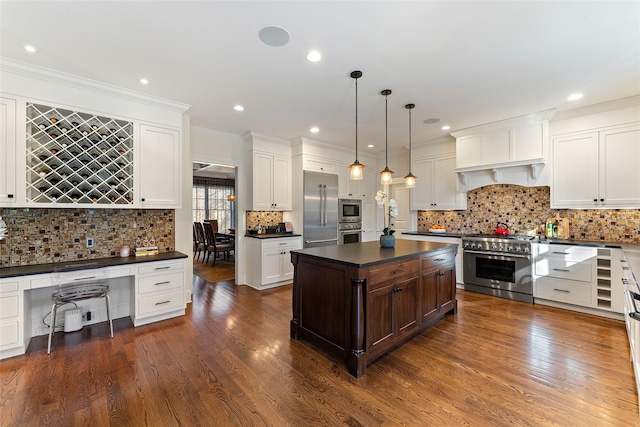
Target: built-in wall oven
x: 349, y: 210
x: 498, y: 266
x: 349, y: 232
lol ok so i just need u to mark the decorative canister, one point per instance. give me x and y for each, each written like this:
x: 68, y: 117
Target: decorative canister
x: 387, y: 240
x: 125, y: 250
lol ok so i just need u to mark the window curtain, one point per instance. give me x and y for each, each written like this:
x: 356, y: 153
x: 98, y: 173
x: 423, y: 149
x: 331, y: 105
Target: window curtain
x: 211, y: 201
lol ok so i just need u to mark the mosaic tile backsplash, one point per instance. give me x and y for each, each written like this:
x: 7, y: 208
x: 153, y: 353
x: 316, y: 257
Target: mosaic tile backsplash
x: 41, y: 236
x: 266, y: 218
x: 527, y: 208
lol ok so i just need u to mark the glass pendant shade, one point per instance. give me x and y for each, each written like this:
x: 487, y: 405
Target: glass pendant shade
x: 356, y: 167
x: 410, y: 180
x: 356, y: 171
x: 386, y: 176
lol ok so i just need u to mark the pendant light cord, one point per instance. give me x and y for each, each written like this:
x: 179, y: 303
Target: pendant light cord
x: 386, y: 132
x: 356, y: 119
x: 409, y: 139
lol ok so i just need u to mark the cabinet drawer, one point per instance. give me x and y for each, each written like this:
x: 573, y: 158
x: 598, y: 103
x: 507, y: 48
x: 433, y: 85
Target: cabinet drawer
x: 161, y: 267
x: 563, y: 290
x: 564, y: 269
x: 9, y: 307
x: 574, y: 253
x: 9, y: 334
x: 434, y: 261
x: 157, y: 304
x: 160, y: 282
x: 8, y: 286
x: 393, y: 271
x: 282, y: 243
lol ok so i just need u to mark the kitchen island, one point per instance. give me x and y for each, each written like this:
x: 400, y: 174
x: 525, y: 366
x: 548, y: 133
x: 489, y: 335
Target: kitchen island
x: 359, y: 301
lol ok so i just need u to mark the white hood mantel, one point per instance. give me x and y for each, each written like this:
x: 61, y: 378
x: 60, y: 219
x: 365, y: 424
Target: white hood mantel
x: 512, y: 151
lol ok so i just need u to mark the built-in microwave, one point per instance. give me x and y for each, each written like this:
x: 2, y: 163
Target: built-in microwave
x: 349, y: 210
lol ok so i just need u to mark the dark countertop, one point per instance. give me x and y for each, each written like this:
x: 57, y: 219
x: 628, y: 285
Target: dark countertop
x: 28, y: 270
x: 428, y: 233
x: 271, y: 235
x: 370, y: 253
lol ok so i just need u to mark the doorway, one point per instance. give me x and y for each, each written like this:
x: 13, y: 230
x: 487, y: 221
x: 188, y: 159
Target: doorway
x: 214, y: 200
x: 400, y: 193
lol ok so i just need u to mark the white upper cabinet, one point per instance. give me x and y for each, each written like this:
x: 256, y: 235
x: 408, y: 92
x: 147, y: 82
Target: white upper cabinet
x: 436, y: 185
x: 598, y: 169
x: 159, y: 167
x: 7, y: 151
x: 269, y: 173
x: 362, y: 189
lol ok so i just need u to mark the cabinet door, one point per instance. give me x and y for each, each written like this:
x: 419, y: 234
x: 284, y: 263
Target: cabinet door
x: 7, y: 150
x: 407, y: 310
x: 369, y: 232
x: 262, y: 181
x: 575, y: 171
x: 446, y: 288
x: 429, y: 305
x: 445, y: 191
x: 620, y: 167
x: 271, y: 265
x: 368, y: 185
x: 380, y: 331
x: 422, y: 194
x: 159, y: 174
x: 281, y: 184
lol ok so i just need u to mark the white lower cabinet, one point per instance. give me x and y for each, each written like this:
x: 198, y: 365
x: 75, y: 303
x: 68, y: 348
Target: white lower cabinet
x: 269, y: 261
x: 582, y: 276
x: 159, y: 292
x: 11, y: 318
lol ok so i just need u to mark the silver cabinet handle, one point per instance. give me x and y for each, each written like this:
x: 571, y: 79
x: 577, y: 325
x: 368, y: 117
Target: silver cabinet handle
x: 162, y: 268
x: 163, y: 302
x: 562, y: 269
x: 562, y: 290
x: 631, y: 298
x: 562, y: 253
x: 85, y: 278
x: 507, y: 255
x: 163, y: 283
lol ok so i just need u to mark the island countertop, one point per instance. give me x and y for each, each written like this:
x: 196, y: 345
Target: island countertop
x: 370, y: 253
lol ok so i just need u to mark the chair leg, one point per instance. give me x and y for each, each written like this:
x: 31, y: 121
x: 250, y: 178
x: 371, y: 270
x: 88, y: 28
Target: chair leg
x: 52, y: 325
x: 107, y: 300
x: 215, y: 256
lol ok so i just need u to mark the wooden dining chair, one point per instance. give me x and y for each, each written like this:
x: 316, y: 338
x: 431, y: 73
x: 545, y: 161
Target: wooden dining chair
x: 201, y: 242
x: 214, y: 247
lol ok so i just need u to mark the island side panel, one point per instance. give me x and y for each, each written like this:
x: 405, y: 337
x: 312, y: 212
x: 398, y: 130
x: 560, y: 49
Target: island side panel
x: 322, y: 302
x: 357, y: 362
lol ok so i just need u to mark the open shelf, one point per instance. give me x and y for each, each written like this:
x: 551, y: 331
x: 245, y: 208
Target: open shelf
x: 78, y: 158
x: 603, y: 271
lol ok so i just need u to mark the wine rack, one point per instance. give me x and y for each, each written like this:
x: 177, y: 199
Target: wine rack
x: 603, y: 284
x: 78, y: 158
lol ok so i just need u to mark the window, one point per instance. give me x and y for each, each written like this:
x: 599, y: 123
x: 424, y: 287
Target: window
x: 211, y: 201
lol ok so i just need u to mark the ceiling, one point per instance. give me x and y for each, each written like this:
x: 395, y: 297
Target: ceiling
x: 466, y: 63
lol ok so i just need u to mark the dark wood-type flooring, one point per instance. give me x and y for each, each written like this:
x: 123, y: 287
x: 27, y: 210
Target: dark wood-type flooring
x: 230, y: 362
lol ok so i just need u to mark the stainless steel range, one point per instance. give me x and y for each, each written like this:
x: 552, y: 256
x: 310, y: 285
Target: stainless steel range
x: 499, y: 266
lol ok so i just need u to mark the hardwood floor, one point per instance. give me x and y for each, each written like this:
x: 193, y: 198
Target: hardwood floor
x: 230, y: 362
x: 223, y: 270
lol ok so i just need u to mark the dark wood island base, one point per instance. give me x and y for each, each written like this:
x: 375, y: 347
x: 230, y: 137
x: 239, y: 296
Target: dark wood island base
x: 359, y: 301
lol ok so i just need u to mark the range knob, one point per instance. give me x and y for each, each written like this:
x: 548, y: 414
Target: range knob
x: 510, y: 248
x: 465, y: 245
x: 518, y: 248
x: 473, y: 245
x: 494, y: 246
x: 526, y: 249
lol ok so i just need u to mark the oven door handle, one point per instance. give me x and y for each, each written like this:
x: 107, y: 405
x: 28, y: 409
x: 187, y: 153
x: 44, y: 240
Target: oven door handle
x: 508, y: 254
x: 631, y: 298
x: 321, y: 241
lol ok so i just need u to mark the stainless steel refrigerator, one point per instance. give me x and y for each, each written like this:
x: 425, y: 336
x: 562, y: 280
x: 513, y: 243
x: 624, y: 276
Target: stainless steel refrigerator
x: 320, y: 209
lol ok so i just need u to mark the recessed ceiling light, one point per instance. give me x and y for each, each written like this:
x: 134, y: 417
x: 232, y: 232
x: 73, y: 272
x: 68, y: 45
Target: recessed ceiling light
x: 446, y: 127
x: 314, y: 130
x: 370, y: 146
x: 238, y: 108
x: 29, y: 48
x: 314, y: 56
x: 144, y: 81
x: 431, y: 121
x: 574, y: 97
x: 274, y: 36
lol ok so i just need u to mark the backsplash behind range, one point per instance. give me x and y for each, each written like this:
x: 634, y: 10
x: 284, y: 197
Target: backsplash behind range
x: 525, y: 208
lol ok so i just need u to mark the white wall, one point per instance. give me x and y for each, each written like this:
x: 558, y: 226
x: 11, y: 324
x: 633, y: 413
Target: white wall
x: 224, y: 149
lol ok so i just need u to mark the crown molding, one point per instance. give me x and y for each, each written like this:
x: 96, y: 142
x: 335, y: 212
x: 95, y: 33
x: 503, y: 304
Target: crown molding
x: 76, y: 82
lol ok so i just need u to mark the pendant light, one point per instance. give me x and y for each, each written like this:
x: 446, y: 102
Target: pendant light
x: 356, y: 167
x: 387, y: 174
x: 410, y: 179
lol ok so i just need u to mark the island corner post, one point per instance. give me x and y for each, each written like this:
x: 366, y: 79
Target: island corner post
x: 406, y: 289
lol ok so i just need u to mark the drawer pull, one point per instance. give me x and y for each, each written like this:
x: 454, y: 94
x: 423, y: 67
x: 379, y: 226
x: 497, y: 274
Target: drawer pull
x: 163, y: 283
x: 562, y: 269
x: 163, y: 302
x: 438, y: 259
x: 85, y: 278
x: 562, y: 253
x: 162, y: 268
x: 398, y: 289
x: 562, y: 290
x: 398, y: 271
